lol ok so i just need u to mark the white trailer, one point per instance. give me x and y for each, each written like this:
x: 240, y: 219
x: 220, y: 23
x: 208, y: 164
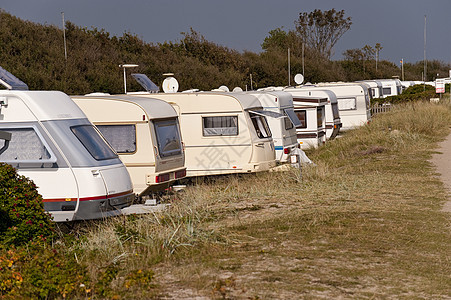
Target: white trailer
x: 53, y: 143
x: 333, y: 121
x: 283, y: 129
x: 353, y: 102
x: 376, y: 89
x: 145, y: 133
x: 223, y: 133
x: 391, y: 87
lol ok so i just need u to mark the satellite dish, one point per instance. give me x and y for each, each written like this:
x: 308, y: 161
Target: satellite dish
x: 299, y: 78
x: 237, y: 89
x: 224, y: 88
x: 170, y: 85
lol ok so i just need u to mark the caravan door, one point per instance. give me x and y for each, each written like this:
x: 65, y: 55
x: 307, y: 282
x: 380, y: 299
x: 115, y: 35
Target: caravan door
x: 263, y: 147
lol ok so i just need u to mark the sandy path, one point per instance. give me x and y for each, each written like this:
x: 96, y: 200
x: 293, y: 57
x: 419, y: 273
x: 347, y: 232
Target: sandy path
x: 443, y: 163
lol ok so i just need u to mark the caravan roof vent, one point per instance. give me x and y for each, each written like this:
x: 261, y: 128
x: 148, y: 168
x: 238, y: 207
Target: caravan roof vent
x: 146, y: 83
x: 10, y: 81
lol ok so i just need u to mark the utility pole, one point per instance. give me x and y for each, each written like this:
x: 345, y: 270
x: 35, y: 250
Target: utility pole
x: 289, y: 75
x: 303, y: 70
x: 425, y: 63
x: 64, y: 36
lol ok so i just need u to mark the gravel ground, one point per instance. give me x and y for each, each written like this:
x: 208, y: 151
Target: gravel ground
x: 442, y: 161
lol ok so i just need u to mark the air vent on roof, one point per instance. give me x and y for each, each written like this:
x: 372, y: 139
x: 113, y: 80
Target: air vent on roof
x: 10, y: 81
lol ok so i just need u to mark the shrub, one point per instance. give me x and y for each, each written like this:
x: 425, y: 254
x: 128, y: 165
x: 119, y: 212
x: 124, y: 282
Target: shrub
x: 22, y: 215
x: 417, y: 92
x: 39, y: 271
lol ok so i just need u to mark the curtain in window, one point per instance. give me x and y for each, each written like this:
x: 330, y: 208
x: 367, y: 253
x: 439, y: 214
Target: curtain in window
x: 121, y: 137
x: 225, y: 125
x: 25, y: 145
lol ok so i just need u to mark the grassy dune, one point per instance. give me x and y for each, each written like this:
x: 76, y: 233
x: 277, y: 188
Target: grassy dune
x: 364, y: 222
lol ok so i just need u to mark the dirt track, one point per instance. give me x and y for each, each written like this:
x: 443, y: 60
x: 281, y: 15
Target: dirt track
x: 442, y: 161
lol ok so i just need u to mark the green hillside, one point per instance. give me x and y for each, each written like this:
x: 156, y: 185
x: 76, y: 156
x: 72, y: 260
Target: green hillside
x: 35, y: 54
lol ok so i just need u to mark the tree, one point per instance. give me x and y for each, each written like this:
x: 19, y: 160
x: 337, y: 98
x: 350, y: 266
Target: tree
x: 322, y: 30
x: 277, y: 39
x: 364, y: 54
x: 353, y: 54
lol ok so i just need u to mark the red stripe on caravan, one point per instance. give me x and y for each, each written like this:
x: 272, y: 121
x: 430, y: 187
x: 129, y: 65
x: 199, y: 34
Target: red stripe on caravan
x: 89, y: 198
x: 121, y: 194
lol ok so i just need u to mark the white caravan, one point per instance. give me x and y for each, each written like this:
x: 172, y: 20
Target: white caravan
x: 283, y: 129
x: 223, y: 133
x: 145, y: 133
x: 333, y: 121
x: 52, y: 142
x: 375, y: 88
x: 391, y: 87
x: 311, y: 113
x: 353, y: 102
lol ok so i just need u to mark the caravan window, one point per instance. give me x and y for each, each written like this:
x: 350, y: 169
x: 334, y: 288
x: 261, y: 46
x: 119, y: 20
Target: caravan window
x: 121, y: 137
x: 93, y: 142
x: 302, y: 116
x: 293, y: 119
x: 347, y: 104
x: 168, y: 137
x: 386, y: 91
x: 261, y: 125
x: 25, y: 146
x: 224, y: 125
x: 320, y: 116
x: 335, y: 111
x: 288, y: 124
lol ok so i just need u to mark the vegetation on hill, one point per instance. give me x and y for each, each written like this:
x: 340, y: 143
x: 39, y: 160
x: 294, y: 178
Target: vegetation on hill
x: 35, y: 54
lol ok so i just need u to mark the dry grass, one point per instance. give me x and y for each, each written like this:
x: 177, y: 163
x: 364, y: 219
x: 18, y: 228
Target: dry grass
x: 365, y: 222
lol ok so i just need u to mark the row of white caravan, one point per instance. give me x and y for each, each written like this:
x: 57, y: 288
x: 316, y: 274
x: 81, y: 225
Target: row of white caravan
x: 140, y: 144
x: 143, y: 142
x: 326, y: 108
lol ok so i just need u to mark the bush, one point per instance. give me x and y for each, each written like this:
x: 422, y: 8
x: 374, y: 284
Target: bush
x: 22, y: 215
x: 417, y: 92
x: 39, y: 271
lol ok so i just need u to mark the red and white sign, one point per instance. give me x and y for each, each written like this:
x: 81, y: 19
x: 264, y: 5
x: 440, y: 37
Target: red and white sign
x: 440, y: 86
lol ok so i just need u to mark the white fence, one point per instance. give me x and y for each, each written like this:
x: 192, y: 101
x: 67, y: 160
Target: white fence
x: 380, y: 108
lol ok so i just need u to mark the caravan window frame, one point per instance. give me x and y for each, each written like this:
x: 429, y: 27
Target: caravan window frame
x: 257, y: 120
x: 158, y: 135
x: 287, y: 112
x: 134, y: 138
x: 94, y: 151
x: 211, y: 134
x: 347, y: 99
x: 320, y: 116
x: 386, y: 91
x: 288, y: 124
x: 302, y: 120
x: 52, y: 157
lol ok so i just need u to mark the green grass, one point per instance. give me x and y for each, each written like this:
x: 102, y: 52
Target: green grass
x: 365, y: 222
